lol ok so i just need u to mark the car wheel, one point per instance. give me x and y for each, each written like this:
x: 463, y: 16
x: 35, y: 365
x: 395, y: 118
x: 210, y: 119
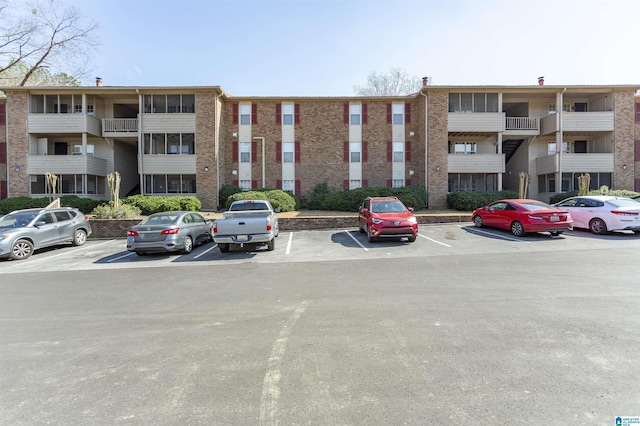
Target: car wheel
x: 597, y: 226
x: 517, y: 229
x: 224, y: 248
x: 370, y: 237
x: 360, y: 228
x: 79, y: 237
x: 477, y: 221
x: 271, y: 244
x: 21, y: 250
x: 412, y: 238
x: 140, y: 253
x: 555, y: 233
x: 188, y: 245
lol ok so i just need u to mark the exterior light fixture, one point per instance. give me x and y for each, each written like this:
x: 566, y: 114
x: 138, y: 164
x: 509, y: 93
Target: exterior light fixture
x: 624, y: 167
x: 206, y: 168
x: 437, y: 168
x: 17, y: 168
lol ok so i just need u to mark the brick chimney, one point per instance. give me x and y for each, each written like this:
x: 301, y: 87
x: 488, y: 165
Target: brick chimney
x: 425, y: 81
x: 98, y: 81
x: 541, y: 81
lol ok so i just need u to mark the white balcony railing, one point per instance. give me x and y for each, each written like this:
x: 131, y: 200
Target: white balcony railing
x: 120, y: 125
x: 521, y: 123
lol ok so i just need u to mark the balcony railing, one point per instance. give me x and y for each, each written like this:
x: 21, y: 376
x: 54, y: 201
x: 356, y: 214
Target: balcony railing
x: 120, y: 125
x: 522, y: 123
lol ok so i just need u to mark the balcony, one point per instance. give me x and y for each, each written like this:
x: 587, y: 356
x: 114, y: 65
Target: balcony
x: 576, y: 163
x: 64, y: 124
x: 476, y: 163
x: 476, y: 122
x: 521, y: 126
x: 599, y: 121
x: 66, y: 164
x: 119, y: 127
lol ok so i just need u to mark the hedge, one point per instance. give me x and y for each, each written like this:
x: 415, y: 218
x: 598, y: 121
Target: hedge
x: 470, y: 200
x: 85, y: 205
x: 325, y: 198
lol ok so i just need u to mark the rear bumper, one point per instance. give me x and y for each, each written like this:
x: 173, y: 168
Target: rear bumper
x: 154, y: 246
x: 547, y: 227
x: 243, y: 239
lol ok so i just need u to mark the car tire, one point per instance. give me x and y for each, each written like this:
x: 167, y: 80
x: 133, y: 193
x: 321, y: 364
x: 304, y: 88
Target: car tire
x: 412, y: 238
x: 555, y: 233
x: 517, y: 229
x: 21, y: 250
x: 140, y: 253
x: 188, y: 245
x: 271, y: 245
x: 477, y: 221
x: 79, y: 237
x: 224, y: 247
x: 597, y: 226
x: 370, y: 237
x: 360, y: 228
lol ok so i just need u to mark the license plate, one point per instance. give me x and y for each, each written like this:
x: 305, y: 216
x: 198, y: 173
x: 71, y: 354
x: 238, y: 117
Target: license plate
x: 242, y: 238
x: 554, y: 218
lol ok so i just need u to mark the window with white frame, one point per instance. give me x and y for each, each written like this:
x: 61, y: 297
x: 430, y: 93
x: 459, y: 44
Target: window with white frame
x: 169, y: 143
x: 355, y: 152
x: 287, y: 113
x: 355, y: 114
x: 398, y: 152
x: 473, y: 102
x: 355, y: 184
x: 288, y: 152
x: 245, y: 113
x: 289, y: 186
x: 566, y: 107
x: 397, y: 183
x: 245, y: 185
x: 245, y: 152
x: 552, y: 148
x: 77, y: 109
x: 464, y: 148
x: 398, y: 113
x: 90, y: 110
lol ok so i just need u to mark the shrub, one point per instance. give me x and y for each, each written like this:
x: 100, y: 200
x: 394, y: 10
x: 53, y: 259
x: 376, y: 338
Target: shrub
x: 282, y: 200
x: 471, y: 200
x: 225, y: 192
x: 612, y: 192
x: 325, y: 198
x: 85, y: 205
x: 246, y: 195
x: 107, y: 211
x: 149, y: 204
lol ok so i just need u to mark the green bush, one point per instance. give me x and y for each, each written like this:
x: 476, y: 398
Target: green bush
x: 85, y: 205
x: 612, y: 192
x: 471, y: 200
x: 225, y: 192
x: 325, y: 198
x: 149, y: 204
x: 107, y: 211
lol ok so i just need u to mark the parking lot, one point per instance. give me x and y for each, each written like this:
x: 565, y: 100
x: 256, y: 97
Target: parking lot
x: 323, y: 245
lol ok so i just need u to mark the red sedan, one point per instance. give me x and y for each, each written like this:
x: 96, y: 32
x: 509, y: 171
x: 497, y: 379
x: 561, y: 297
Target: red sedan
x: 522, y: 216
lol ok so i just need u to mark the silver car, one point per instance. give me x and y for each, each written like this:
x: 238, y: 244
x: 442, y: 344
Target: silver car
x: 24, y: 231
x: 168, y: 232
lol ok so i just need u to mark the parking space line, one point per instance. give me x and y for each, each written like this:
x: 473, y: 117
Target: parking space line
x: 354, y: 239
x: 437, y: 242
x: 131, y: 253
x: 491, y: 234
x: 31, y: 260
x: 289, y: 243
x: 205, y: 252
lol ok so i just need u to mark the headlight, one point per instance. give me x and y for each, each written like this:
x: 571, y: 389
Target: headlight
x: 412, y: 220
x: 377, y: 221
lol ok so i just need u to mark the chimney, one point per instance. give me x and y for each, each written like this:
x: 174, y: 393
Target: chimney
x: 425, y: 81
x: 541, y: 81
x: 98, y: 81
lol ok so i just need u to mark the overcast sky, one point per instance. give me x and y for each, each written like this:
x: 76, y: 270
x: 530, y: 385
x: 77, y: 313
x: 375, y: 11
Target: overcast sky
x: 325, y: 47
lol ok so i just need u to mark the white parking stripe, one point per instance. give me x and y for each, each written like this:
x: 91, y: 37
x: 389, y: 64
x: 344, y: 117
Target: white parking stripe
x: 519, y: 240
x: 437, y: 242
x: 354, y: 239
x: 31, y: 259
x: 121, y: 257
x: 206, y: 251
x: 289, y: 243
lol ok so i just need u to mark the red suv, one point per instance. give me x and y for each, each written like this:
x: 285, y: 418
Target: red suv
x: 387, y: 217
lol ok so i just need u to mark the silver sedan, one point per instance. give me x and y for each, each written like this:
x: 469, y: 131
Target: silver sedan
x: 177, y: 231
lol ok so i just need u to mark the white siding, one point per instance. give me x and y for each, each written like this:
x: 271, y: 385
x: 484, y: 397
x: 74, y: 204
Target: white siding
x: 168, y: 164
x: 487, y: 163
x: 169, y: 123
x: 478, y: 122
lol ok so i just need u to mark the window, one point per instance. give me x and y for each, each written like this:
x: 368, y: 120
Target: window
x: 289, y: 186
x: 355, y: 112
x: 158, y: 143
x: 398, y: 112
x: 171, y: 104
x: 3, y: 114
x: 398, y: 183
x: 245, y: 152
x: 551, y: 148
x: 245, y: 113
x: 473, y: 182
x: 287, y: 113
x: 90, y: 110
x: 188, y: 146
x: 463, y: 148
x: 355, y: 184
x: 38, y: 185
x: 287, y: 152
x: 398, y: 152
x: 76, y: 150
x: 77, y: 109
x: 355, y: 152
x: 637, y: 112
x: 176, y: 143
x: 245, y: 185
x: 173, y: 143
x: 566, y: 107
x: 547, y: 183
x: 473, y: 102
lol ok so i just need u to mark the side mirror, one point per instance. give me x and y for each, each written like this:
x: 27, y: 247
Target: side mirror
x: 40, y: 223
x: 410, y: 209
x: 277, y: 210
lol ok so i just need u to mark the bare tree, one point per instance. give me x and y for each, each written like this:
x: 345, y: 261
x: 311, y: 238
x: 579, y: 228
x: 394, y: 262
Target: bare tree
x: 396, y: 82
x: 45, y: 35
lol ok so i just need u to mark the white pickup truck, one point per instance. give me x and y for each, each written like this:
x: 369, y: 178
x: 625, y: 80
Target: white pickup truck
x: 246, y: 222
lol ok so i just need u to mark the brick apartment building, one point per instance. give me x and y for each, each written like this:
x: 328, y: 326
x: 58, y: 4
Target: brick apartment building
x: 193, y: 140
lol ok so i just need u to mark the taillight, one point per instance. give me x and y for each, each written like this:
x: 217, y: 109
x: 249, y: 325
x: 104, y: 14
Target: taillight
x: 131, y: 233
x: 215, y: 229
x: 535, y: 216
x: 170, y: 231
x: 86, y: 217
x: 624, y: 213
x: 269, y: 227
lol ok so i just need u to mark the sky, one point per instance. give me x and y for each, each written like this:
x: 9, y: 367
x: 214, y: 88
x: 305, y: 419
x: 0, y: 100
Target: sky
x: 325, y: 47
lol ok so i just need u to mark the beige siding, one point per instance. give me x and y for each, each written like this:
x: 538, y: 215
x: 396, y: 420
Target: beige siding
x: 587, y: 121
x: 487, y: 163
x: 168, y: 164
x: 168, y: 123
x: 478, y: 122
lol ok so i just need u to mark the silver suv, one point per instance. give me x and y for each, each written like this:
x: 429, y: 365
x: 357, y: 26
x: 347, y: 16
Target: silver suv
x: 23, y: 231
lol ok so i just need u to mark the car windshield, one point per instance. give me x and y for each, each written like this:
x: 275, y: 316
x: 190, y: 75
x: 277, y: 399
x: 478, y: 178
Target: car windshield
x: 624, y: 202
x: 249, y: 206
x: 536, y: 205
x: 161, y: 219
x: 16, y: 220
x: 388, y: 207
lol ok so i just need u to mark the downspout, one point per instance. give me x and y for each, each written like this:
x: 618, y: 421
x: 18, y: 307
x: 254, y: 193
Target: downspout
x: 216, y: 141
x: 140, y: 141
x: 426, y: 145
x: 560, y: 143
